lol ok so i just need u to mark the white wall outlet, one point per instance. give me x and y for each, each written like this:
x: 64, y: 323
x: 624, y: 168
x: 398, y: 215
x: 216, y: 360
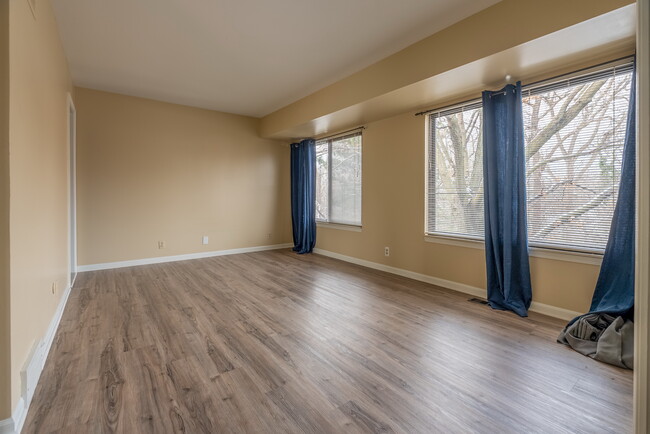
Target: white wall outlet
x: 386, y: 251
x: 205, y: 239
x: 161, y: 244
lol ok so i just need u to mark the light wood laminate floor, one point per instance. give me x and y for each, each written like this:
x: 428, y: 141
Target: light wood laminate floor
x: 275, y: 342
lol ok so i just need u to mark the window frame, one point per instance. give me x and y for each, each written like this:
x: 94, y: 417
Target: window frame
x: 536, y: 249
x: 329, y: 223
x: 466, y: 105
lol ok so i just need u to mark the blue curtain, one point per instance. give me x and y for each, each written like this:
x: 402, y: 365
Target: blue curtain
x: 303, y: 195
x: 614, y: 293
x: 504, y: 184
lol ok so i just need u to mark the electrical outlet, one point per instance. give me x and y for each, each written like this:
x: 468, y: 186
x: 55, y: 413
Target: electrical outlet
x: 268, y: 236
x: 161, y: 244
x: 205, y: 239
x: 386, y: 251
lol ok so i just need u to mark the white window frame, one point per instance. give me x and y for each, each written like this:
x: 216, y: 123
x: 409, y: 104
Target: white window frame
x: 536, y: 249
x: 427, y: 124
x: 582, y: 257
x: 330, y: 224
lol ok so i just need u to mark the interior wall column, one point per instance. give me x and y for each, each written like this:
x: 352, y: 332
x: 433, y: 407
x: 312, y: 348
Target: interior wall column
x: 642, y: 337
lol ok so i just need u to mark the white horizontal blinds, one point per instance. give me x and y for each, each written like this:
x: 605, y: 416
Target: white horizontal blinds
x: 574, y: 132
x: 338, y: 179
x: 455, y: 171
x: 322, y: 180
x: 346, y: 180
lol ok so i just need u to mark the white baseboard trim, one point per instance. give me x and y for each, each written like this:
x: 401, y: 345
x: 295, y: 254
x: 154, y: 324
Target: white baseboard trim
x: 544, y: 309
x: 7, y: 426
x: 554, y: 311
x: 18, y: 417
x: 163, y: 259
x: 34, y: 367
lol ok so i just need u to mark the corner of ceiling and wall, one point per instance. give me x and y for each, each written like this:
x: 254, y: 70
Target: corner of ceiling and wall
x: 458, y: 61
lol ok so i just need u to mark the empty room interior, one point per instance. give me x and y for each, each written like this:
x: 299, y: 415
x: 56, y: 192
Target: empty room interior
x: 426, y: 216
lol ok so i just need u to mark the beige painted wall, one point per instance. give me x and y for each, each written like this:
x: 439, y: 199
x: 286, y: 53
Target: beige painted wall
x: 393, y: 215
x: 39, y: 85
x: 150, y: 171
x: 5, y: 349
x: 495, y: 29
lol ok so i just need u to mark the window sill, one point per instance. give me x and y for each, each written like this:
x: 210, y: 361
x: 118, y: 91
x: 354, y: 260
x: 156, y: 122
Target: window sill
x: 563, y: 255
x: 340, y: 226
x: 536, y: 252
x: 473, y: 243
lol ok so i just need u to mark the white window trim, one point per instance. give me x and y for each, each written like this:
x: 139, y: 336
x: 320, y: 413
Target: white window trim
x: 592, y: 258
x: 340, y: 226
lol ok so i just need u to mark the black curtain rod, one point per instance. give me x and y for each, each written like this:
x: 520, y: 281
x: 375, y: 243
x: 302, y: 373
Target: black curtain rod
x: 534, y: 83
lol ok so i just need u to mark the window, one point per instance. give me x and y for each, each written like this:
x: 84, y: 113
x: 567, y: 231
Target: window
x: 574, y: 131
x: 338, y: 180
x: 455, y: 172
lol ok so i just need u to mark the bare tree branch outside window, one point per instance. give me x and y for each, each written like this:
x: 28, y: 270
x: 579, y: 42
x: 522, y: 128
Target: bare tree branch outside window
x: 574, y: 145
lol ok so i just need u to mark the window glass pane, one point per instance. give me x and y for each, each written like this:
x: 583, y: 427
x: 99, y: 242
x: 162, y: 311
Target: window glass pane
x: 574, y: 144
x: 322, y: 181
x: 455, y: 178
x: 346, y: 180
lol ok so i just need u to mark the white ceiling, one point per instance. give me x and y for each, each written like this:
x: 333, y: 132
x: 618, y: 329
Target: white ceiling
x: 248, y: 57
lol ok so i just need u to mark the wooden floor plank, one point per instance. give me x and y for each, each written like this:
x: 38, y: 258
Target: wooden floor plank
x: 278, y: 342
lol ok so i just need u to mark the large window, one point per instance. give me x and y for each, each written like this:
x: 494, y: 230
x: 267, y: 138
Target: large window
x: 338, y: 180
x: 574, y: 131
x: 574, y: 143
